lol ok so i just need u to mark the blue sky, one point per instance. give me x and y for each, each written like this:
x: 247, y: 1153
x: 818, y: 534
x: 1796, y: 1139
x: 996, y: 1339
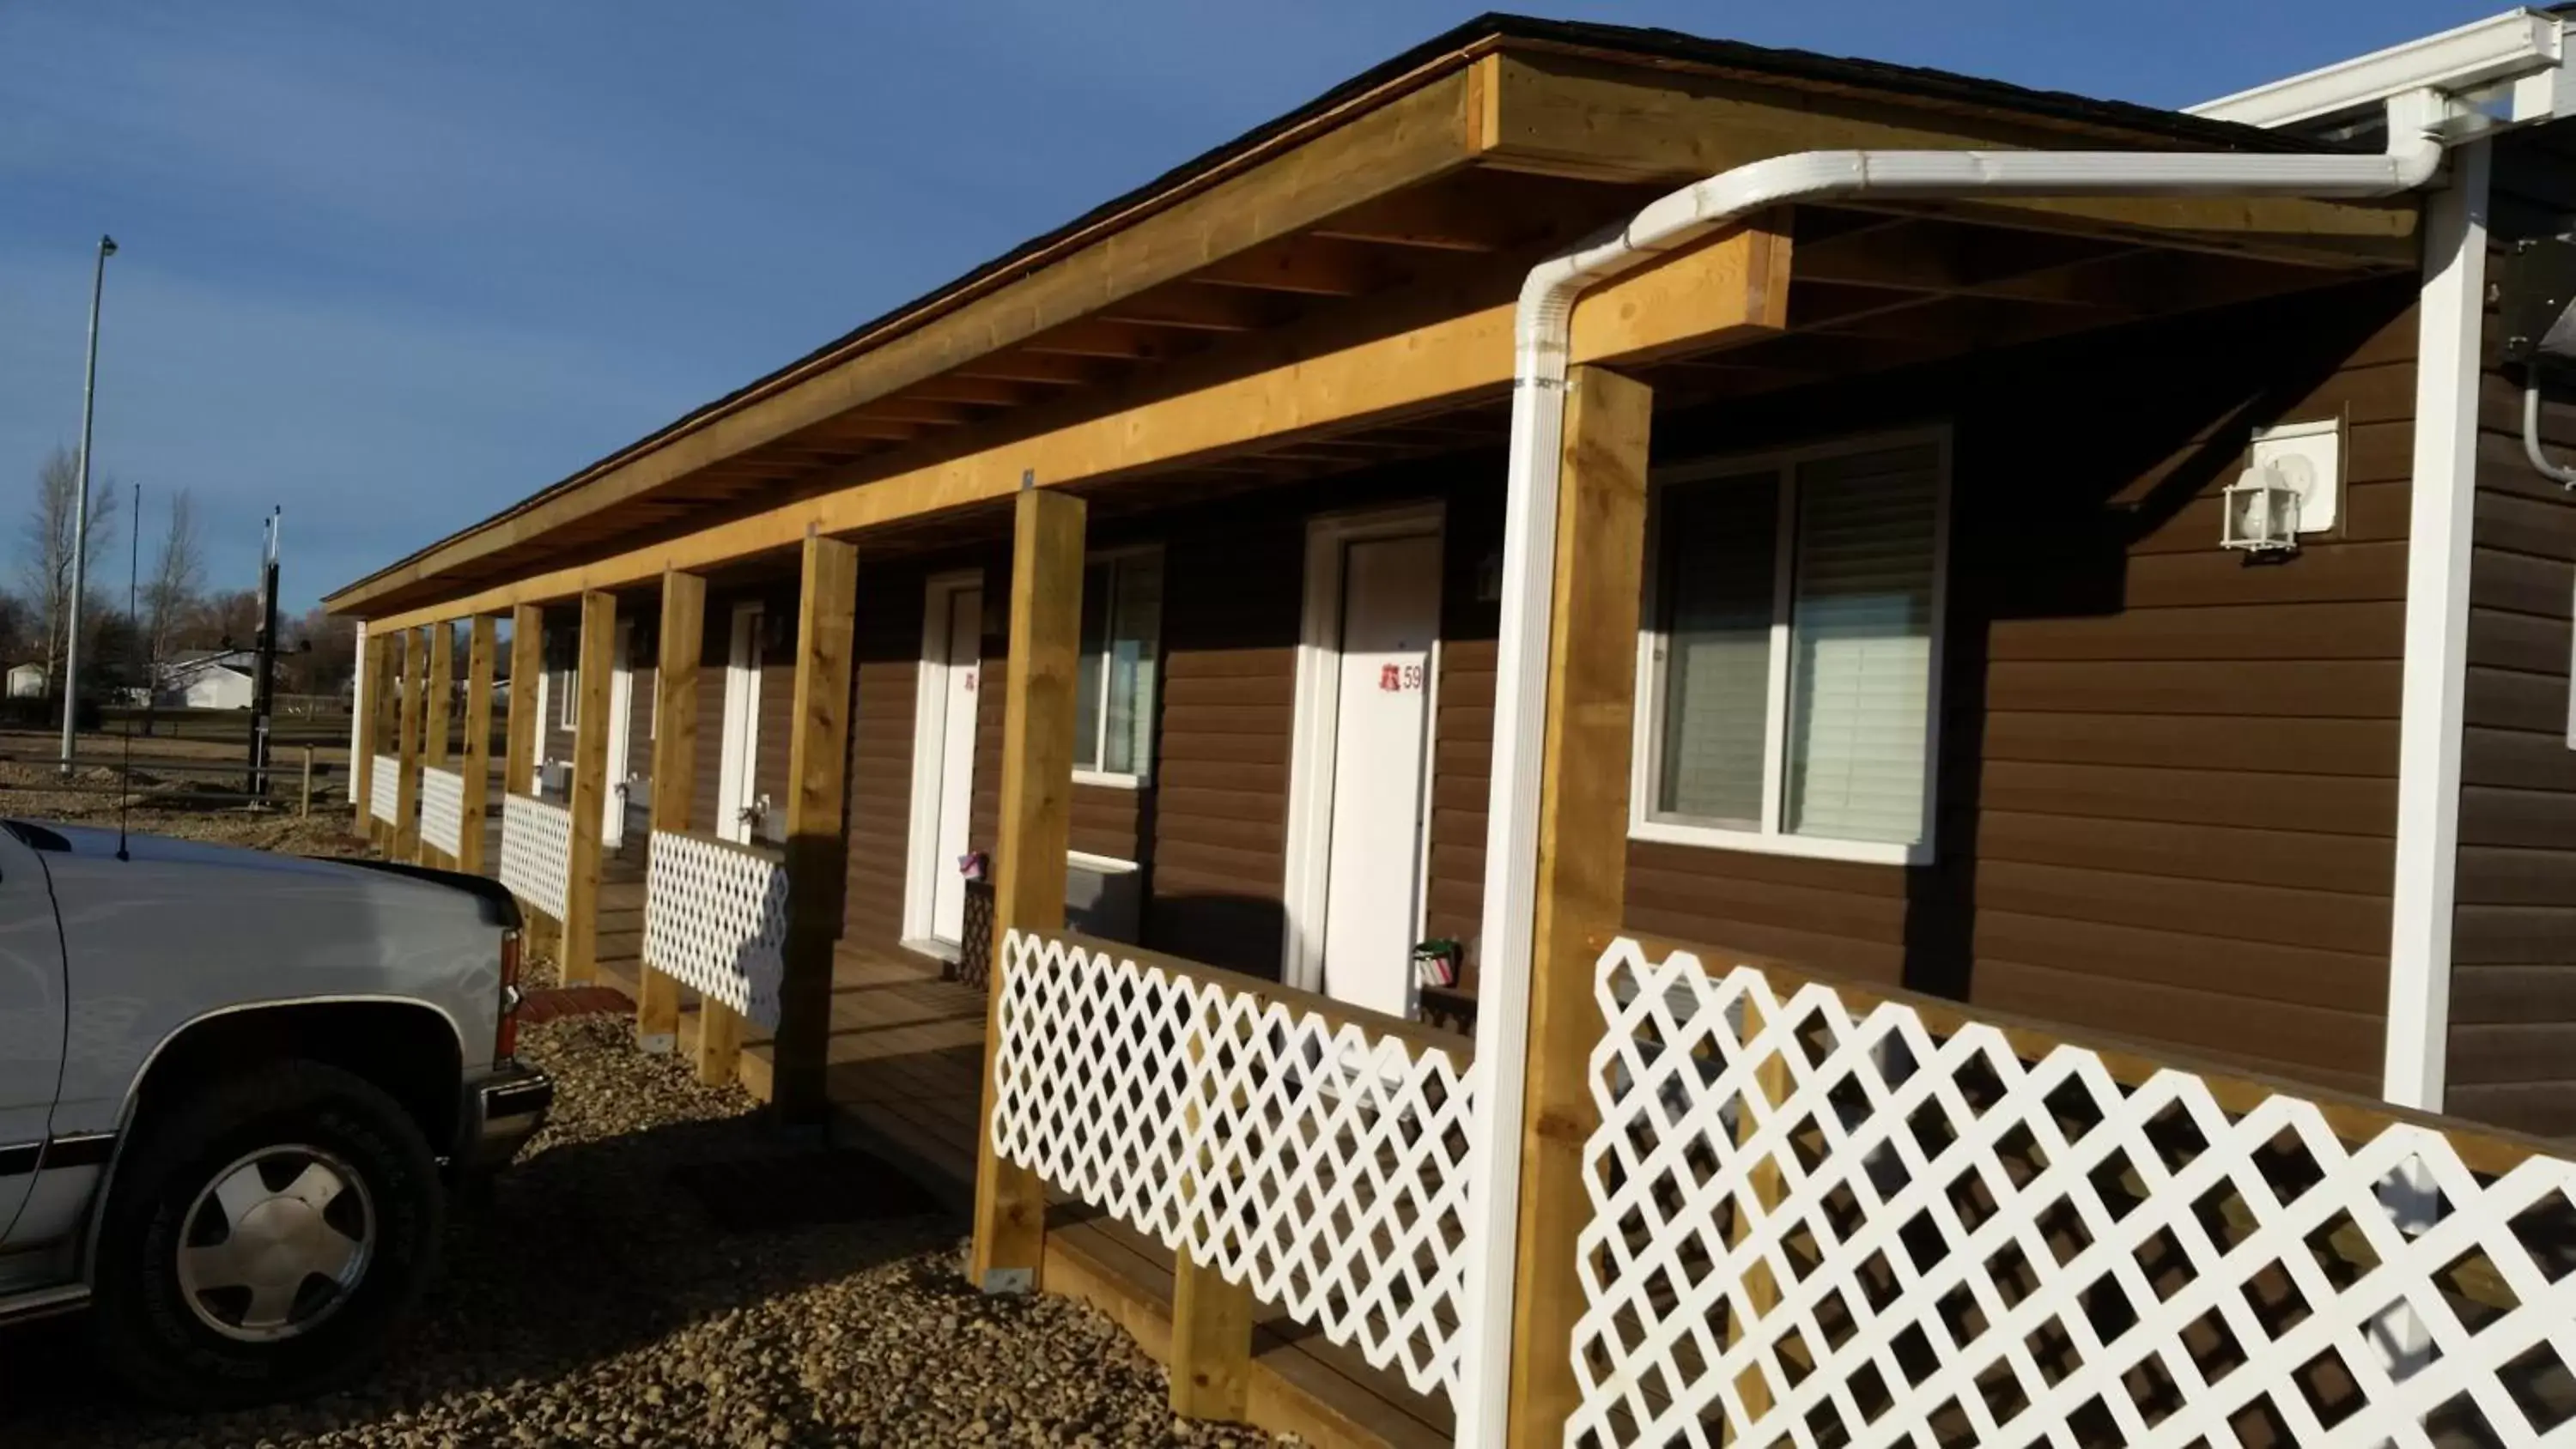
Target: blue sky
x: 396, y: 266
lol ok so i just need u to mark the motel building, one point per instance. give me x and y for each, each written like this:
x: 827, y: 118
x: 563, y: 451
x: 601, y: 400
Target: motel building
x: 1619, y: 739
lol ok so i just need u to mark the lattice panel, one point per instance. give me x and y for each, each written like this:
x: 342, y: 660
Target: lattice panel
x: 715, y: 916
x: 1816, y: 1222
x: 1324, y: 1167
x: 442, y: 809
x: 384, y: 788
x: 536, y: 852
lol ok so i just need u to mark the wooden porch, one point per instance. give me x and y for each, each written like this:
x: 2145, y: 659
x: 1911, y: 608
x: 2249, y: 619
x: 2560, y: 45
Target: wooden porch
x: 905, y: 1079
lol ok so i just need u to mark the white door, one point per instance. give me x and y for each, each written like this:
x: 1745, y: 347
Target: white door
x: 961, y: 668
x: 621, y: 721
x: 545, y: 727
x: 1390, y: 615
x: 737, y: 809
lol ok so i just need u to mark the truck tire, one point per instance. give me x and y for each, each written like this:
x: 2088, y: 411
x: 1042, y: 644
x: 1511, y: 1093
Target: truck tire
x: 265, y: 1239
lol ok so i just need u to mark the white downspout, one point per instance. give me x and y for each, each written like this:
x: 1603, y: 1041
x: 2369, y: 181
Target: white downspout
x: 2413, y: 155
x: 2433, y: 685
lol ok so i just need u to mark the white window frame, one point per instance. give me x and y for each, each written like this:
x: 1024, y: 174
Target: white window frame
x: 1090, y: 774
x: 572, y: 700
x: 1646, y: 750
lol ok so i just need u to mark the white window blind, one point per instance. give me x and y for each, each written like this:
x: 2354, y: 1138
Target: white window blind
x: 1861, y: 651
x: 1792, y: 669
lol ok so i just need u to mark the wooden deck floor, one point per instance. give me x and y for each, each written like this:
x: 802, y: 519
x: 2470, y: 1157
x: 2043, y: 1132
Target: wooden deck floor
x: 906, y: 1079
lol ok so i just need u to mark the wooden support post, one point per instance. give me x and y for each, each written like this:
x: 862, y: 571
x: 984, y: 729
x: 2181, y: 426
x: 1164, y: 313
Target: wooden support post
x: 527, y: 666
x: 818, y: 850
x: 305, y: 801
x: 436, y: 703
x: 1036, y: 825
x: 362, y: 764
x: 406, y: 846
x: 481, y: 644
x: 1211, y: 1368
x: 675, y: 771
x: 589, y: 802
x: 1582, y: 868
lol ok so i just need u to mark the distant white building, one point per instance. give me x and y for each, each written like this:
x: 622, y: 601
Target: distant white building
x: 26, y: 681
x: 206, y: 679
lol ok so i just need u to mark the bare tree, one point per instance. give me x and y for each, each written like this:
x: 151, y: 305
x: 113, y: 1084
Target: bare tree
x: 45, y: 566
x: 225, y: 620
x: 178, y: 576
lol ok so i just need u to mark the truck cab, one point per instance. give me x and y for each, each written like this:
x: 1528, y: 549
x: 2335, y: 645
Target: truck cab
x: 235, y: 1090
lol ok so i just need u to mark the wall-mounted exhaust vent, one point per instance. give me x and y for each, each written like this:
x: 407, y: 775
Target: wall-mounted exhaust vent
x: 2536, y: 305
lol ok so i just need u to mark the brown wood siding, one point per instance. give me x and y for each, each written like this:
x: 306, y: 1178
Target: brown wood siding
x: 713, y: 659
x: 881, y: 736
x: 2167, y: 795
x: 2512, y: 1048
x: 1462, y: 727
x: 1232, y: 599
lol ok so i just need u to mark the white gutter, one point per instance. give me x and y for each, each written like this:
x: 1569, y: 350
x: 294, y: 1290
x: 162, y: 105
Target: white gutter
x: 1544, y: 319
x: 2506, y: 66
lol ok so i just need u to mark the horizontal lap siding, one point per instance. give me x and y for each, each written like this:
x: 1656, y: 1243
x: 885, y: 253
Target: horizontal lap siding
x: 2512, y: 1050
x: 887, y: 673
x: 2167, y: 776
x: 1231, y: 611
x: 714, y: 658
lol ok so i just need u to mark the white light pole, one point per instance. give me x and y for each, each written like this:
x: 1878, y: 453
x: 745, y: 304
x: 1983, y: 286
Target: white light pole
x: 80, y: 514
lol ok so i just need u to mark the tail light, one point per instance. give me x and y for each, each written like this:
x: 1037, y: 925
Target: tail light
x: 505, y: 1038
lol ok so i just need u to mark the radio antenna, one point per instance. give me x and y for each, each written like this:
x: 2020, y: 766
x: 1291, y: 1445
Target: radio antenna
x: 135, y: 642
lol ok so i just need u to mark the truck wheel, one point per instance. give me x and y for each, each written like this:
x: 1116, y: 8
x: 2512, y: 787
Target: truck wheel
x: 265, y: 1240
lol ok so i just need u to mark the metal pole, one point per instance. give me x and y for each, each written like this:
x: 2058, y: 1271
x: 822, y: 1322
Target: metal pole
x: 306, y: 808
x: 80, y: 513
x: 263, y: 691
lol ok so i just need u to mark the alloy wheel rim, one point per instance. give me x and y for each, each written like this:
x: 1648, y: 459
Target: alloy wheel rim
x: 275, y: 1243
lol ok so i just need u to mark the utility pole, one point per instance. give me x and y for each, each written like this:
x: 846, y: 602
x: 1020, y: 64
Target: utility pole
x: 263, y: 688
x: 80, y: 512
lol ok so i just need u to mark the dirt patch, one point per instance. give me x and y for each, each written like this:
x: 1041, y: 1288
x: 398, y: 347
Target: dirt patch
x: 156, y: 803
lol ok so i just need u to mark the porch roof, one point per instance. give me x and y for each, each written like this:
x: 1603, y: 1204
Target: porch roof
x: 1488, y: 116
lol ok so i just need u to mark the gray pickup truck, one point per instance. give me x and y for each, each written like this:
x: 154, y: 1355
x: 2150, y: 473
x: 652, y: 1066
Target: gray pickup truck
x: 235, y: 1090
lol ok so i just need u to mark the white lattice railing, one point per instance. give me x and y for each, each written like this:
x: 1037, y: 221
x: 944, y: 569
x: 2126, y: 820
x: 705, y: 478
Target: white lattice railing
x: 1825, y: 1219
x: 442, y: 809
x: 536, y: 852
x: 1323, y: 1165
x: 384, y: 788
x: 715, y: 916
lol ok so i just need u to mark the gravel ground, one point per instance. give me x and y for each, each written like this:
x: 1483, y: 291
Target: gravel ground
x: 34, y: 792
x: 590, y: 1302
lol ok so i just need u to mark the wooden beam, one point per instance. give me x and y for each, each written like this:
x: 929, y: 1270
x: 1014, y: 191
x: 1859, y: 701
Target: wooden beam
x: 589, y: 803
x: 362, y: 770
x: 1566, y: 115
x: 1190, y: 308
x: 527, y: 665
x: 480, y: 650
x: 1311, y: 265
x: 437, y: 698
x: 1115, y: 341
x: 982, y: 392
x: 438, y: 722
x: 1415, y: 128
x: 1030, y: 369
x: 818, y: 852
x: 683, y: 629
x: 1304, y: 380
x: 1582, y: 868
x: 1036, y: 826
x: 1211, y: 1362
x: 415, y: 647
